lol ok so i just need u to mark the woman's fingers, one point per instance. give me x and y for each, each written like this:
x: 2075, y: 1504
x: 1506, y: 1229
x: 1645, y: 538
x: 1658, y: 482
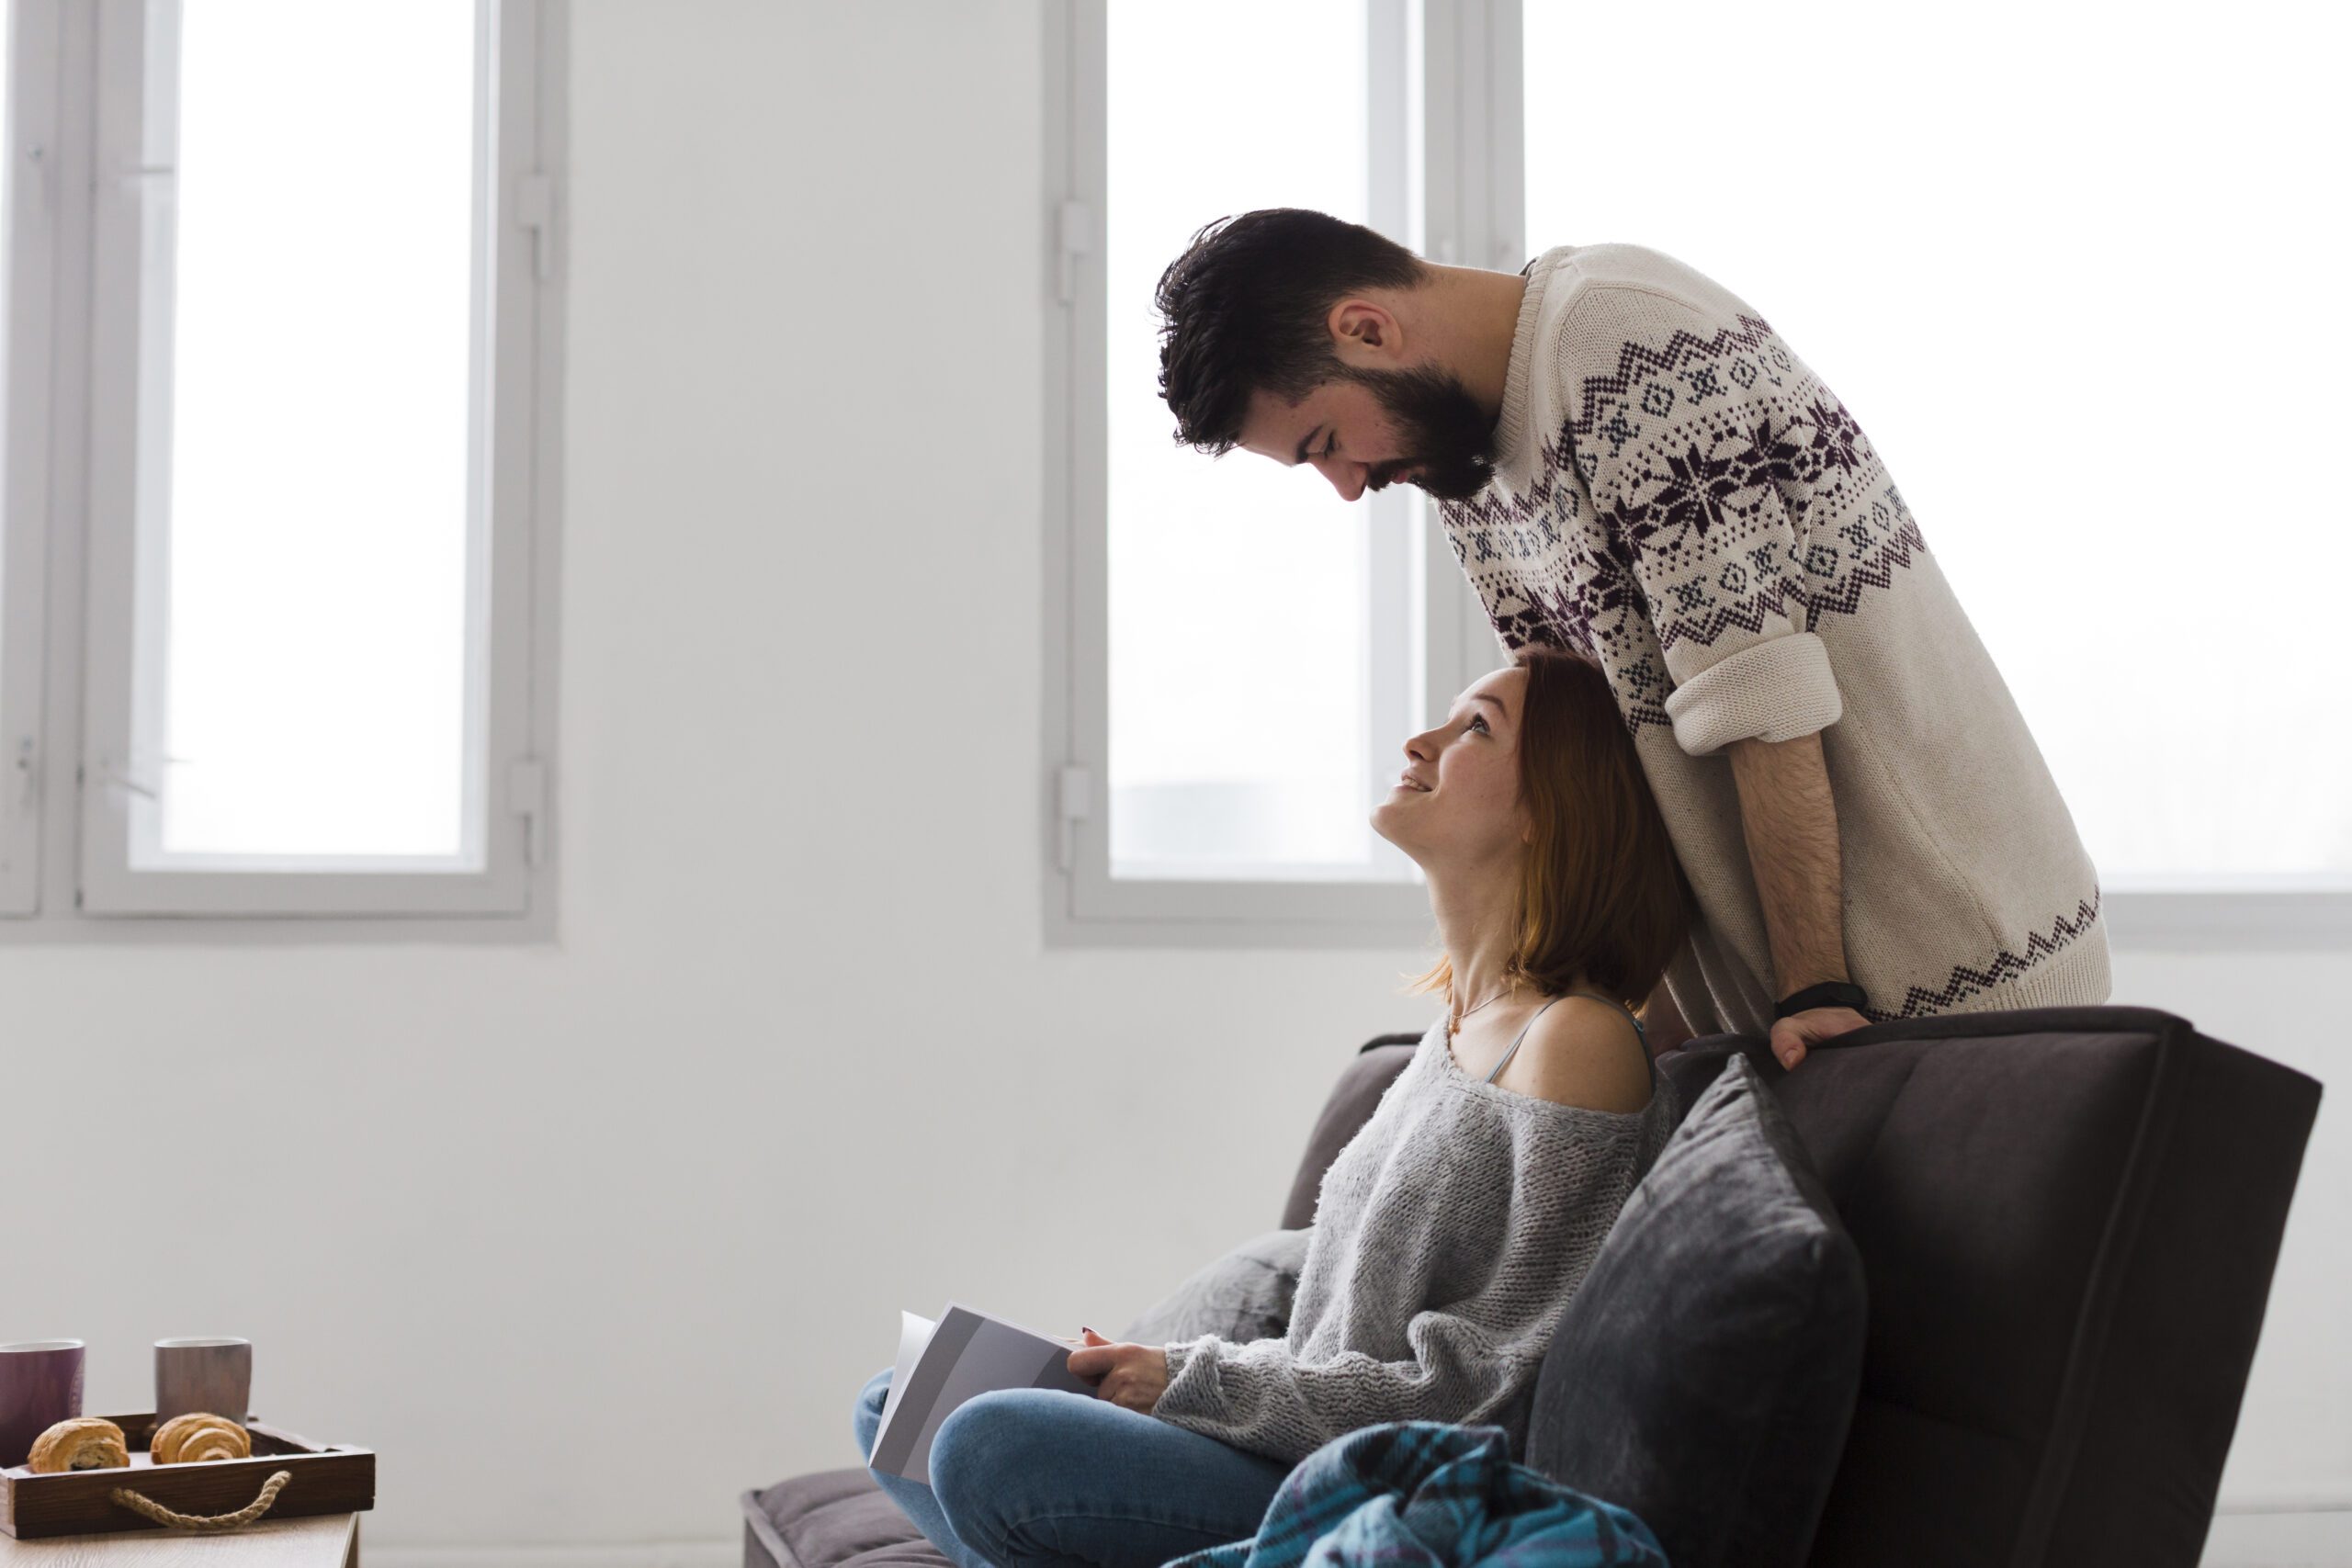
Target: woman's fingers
x: 1111, y: 1368
x: 1096, y: 1360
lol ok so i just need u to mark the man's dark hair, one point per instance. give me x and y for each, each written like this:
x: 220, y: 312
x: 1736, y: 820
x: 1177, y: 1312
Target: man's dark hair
x: 1244, y: 309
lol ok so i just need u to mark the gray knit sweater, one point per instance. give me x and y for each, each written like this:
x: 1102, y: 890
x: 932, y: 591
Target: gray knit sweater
x: 1449, y: 1236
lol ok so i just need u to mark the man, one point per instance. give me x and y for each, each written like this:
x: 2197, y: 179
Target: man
x: 1629, y: 461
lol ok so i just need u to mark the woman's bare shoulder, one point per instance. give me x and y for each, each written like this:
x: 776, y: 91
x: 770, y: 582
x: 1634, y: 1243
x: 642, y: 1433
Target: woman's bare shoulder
x: 1583, y: 1052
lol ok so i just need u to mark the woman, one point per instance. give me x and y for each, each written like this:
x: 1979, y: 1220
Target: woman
x: 1451, y: 1233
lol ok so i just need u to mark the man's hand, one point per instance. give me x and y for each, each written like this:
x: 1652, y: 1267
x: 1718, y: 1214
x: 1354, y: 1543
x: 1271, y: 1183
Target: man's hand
x: 1132, y: 1375
x: 1795, y: 1034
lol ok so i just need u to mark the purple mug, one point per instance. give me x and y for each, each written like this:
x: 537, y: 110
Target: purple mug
x: 41, y: 1384
x: 215, y: 1376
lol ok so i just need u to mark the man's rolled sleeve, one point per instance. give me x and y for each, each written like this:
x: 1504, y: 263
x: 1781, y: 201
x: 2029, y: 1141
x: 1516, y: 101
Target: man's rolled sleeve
x: 1775, y: 689
x: 1705, y: 489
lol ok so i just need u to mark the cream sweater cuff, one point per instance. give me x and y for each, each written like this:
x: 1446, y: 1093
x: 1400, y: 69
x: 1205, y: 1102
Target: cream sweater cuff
x: 1774, y: 691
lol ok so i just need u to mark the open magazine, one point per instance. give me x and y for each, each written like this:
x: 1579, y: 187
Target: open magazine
x: 943, y: 1364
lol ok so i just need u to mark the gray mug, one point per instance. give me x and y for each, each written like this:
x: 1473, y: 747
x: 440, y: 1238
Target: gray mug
x: 41, y: 1384
x: 215, y: 1376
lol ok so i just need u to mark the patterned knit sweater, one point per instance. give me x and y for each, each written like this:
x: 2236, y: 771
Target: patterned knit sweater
x: 1449, y: 1236
x: 1679, y: 495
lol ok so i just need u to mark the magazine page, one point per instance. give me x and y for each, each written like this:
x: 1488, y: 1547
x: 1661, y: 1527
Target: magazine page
x: 968, y: 1353
x: 914, y: 1333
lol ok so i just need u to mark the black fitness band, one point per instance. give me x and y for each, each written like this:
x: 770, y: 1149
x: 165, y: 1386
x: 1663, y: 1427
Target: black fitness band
x: 1828, y: 994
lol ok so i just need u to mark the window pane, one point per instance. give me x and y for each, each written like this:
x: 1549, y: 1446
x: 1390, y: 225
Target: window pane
x: 1239, y: 594
x: 2067, y: 291
x: 309, y: 529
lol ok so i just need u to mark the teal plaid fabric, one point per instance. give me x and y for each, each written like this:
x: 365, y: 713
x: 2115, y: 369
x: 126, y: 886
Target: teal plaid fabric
x: 1427, y: 1492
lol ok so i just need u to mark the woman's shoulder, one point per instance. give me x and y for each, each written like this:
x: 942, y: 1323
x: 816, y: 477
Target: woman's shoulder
x: 1582, y: 1052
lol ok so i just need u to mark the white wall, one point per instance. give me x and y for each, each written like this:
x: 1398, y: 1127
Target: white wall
x: 585, y: 1239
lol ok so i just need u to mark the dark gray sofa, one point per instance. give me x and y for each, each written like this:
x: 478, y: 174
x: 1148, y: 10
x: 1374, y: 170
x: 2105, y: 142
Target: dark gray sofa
x: 2068, y: 1219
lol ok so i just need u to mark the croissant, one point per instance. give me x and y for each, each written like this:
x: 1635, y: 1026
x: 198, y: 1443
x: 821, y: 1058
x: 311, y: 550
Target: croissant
x: 88, y: 1442
x: 196, y: 1437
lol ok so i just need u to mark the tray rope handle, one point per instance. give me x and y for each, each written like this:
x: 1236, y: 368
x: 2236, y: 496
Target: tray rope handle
x: 138, y: 1504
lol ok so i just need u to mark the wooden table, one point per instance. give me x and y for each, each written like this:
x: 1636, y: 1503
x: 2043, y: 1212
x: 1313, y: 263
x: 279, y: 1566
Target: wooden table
x: 325, y: 1540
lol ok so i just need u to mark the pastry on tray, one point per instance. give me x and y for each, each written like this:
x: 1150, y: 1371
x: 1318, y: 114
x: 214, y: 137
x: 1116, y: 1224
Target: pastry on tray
x: 196, y: 1437
x: 87, y: 1442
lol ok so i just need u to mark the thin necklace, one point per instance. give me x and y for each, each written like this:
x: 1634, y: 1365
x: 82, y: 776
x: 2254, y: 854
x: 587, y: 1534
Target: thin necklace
x: 1454, y: 1023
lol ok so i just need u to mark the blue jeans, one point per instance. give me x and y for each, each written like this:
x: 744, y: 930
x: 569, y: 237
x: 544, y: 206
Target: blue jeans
x: 1034, y: 1476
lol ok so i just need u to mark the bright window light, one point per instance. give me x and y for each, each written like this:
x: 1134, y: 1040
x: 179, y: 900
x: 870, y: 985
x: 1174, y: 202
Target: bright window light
x: 2064, y: 269
x: 310, y: 517
x: 1239, y: 685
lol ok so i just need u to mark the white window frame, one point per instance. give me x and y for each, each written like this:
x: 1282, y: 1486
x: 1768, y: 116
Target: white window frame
x: 76, y: 508
x: 1473, y: 170
x: 30, y: 141
x: 1464, y: 214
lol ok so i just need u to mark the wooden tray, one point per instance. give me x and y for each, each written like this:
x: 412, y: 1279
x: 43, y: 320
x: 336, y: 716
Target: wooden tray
x: 327, y: 1478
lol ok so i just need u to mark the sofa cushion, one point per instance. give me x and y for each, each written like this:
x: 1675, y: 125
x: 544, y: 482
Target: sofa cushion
x: 1704, y: 1373
x: 830, y: 1518
x: 1244, y: 1295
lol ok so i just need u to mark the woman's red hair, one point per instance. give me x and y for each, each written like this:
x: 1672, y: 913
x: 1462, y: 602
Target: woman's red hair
x: 1601, y: 893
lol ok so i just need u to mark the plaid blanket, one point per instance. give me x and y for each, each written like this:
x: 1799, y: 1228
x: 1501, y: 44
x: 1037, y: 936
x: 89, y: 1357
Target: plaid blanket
x: 1426, y: 1493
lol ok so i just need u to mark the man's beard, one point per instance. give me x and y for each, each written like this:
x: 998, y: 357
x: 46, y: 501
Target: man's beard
x: 1443, y: 430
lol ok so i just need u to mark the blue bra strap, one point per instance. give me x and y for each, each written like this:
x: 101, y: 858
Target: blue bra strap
x: 1641, y: 1034
x: 1538, y: 1013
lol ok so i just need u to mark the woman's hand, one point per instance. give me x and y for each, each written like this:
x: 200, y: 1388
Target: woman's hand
x: 1132, y: 1375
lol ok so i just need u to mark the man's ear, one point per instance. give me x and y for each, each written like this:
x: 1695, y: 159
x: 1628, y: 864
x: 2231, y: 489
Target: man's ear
x: 1365, y: 334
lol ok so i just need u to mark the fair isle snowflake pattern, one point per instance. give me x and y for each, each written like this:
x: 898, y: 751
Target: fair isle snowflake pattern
x: 1730, y: 490
x: 1688, y: 488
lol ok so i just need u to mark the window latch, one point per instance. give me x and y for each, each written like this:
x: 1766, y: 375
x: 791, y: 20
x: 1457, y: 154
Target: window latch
x: 535, y: 210
x: 129, y: 780
x: 1073, y: 238
x: 132, y: 176
x: 1073, y: 804
x: 526, y: 796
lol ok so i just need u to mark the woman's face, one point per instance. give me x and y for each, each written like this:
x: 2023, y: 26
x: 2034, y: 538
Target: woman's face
x: 1456, y: 801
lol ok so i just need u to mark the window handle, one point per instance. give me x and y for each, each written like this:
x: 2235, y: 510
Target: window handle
x: 123, y: 778
x: 127, y: 174
x: 43, y: 166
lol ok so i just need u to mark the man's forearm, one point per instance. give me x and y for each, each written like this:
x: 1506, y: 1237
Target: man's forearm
x: 1790, y: 821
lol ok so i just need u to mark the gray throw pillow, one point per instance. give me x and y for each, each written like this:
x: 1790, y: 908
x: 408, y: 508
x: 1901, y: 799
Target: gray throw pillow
x: 1704, y: 1374
x: 1242, y: 1297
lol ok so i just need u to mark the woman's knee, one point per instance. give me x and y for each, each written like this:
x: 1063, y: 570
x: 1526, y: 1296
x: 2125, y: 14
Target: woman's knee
x: 866, y: 1416
x: 983, y: 1451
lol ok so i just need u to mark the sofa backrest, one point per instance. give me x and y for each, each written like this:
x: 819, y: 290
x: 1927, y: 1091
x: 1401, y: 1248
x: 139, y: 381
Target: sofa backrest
x: 1361, y: 1083
x: 2069, y: 1218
